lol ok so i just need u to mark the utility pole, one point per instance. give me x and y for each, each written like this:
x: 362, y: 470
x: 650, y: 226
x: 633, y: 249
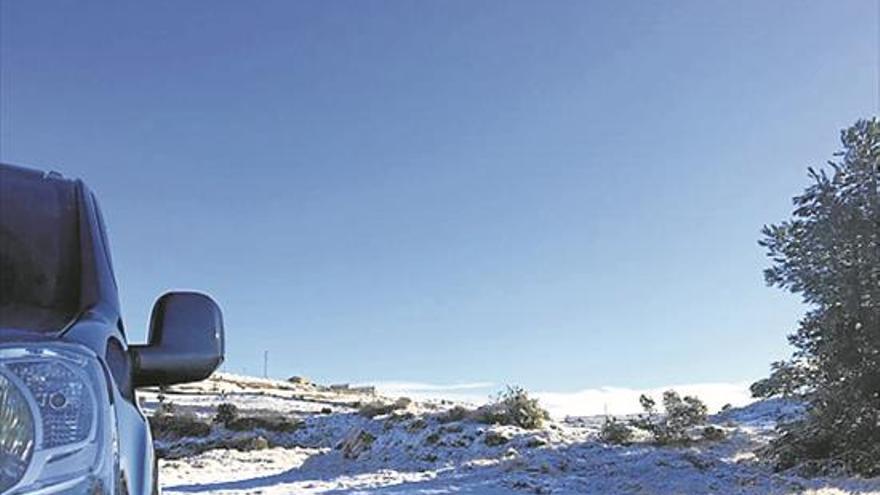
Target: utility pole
x: 265, y: 364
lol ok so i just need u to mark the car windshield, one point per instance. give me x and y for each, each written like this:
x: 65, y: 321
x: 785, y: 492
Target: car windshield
x: 39, y: 250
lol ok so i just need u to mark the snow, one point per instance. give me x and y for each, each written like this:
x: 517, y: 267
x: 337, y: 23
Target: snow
x: 412, y: 452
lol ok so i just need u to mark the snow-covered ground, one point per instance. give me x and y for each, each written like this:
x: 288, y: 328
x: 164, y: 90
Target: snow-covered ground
x: 416, y: 450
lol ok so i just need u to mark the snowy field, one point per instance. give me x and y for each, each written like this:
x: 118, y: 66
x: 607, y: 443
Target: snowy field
x: 415, y: 449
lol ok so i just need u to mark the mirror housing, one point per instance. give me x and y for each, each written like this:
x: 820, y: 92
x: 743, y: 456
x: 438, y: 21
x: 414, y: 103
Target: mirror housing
x: 185, y: 343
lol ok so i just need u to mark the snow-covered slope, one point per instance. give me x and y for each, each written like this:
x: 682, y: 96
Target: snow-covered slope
x: 415, y: 449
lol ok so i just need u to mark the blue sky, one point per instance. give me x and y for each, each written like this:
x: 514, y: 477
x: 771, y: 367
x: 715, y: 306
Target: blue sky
x: 562, y: 195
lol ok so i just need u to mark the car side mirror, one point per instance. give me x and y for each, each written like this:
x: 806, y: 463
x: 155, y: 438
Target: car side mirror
x: 185, y: 343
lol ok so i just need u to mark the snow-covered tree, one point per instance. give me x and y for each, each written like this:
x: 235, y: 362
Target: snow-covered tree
x: 829, y: 253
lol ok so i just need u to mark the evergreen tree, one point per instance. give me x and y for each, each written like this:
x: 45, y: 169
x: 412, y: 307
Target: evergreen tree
x: 829, y: 253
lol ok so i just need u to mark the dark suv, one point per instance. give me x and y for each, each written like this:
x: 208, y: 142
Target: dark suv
x: 69, y: 421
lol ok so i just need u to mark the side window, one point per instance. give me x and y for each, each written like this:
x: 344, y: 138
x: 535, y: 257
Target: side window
x: 105, y: 247
x: 105, y: 244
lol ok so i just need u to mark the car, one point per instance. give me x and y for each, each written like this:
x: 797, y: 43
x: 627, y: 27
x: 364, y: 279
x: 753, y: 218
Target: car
x: 70, y: 421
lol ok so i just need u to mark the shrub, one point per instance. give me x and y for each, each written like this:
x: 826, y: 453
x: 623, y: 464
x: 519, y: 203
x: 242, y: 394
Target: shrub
x: 494, y: 439
x: 278, y: 423
x: 536, y: 442
x: 226, y: 413
x: 380, y: 408
x: 672, y: 427
x: 514, y: 407
x: 713, y: 434
x: 615, y: 432
x: 456, y: 413
x: 245, y: 444
x: 299, y: 380
x: 416, y: 425
x: 165, y: 407
x: 683, y: 413
x: 375, y: 408
x: 168, y: 426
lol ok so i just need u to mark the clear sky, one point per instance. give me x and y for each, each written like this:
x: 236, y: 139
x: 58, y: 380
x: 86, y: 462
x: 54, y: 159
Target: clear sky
x: 557, y: 194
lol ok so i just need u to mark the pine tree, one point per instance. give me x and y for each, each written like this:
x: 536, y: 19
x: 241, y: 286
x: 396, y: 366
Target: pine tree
x: 829, y: 253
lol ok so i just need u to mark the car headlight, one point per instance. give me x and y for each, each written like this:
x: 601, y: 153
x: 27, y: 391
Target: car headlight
x: 55, y: 421
x: 16, y: 434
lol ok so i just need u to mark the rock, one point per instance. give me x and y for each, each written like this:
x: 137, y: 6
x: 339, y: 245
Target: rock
x: 356, y: 443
